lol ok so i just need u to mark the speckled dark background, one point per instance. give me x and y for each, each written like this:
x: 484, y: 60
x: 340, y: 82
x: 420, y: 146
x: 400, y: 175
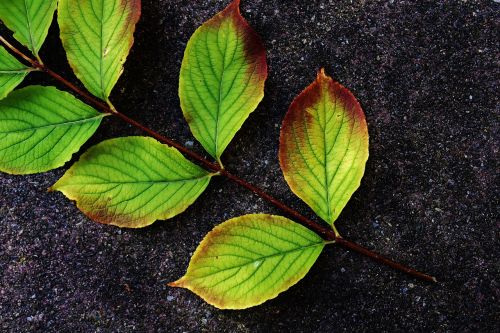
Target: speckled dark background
x: 426, y: 73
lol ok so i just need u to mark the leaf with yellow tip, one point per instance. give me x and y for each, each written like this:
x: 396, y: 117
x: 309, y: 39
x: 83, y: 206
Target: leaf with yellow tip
x: 222, y: 78
x: 97, y: 36
x: 324, y: 146
x: 250, y: 259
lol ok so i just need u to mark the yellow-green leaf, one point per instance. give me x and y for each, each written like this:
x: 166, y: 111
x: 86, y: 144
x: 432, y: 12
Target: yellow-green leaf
x: 41, y: 128
x: 12, y: 72
x: 250, y: 259
x: 222, y: 78
x: 324, y: 146
x: 97, y: 36
x: 132, y: 182
x: 29, y: 19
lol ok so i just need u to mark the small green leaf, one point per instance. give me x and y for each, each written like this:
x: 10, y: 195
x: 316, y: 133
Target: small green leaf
x: 222, y: 78
x: 324, y: 146
x: 97, y: 36
x: 250, y: 259
x: 41, y: 128
x: 12, y: 72
x: 132, y: 182
x: 29, y: 19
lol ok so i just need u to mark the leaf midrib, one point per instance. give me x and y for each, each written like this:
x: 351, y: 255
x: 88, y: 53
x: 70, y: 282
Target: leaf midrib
x: 101, y: 55
x: 28, y: 21
x: 68, y: 123
x: 143, y: 181
x: 325, y: 165
x: 16, y: 71
x: 283, y: 253
x: 221, y: 85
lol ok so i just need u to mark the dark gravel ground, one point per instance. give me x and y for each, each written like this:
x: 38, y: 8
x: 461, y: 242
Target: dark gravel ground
x: 426, y: 73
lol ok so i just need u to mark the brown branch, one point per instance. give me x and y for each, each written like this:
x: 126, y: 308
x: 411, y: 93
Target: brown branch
x: 326, y: 233
x: 377, y: 257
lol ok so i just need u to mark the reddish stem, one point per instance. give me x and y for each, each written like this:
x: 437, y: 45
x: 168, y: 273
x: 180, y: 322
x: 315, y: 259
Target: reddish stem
x: 326, y: 233
x: 383, y: 260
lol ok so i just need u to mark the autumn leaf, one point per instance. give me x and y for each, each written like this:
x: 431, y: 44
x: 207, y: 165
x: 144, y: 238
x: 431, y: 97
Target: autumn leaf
x: 250, y: 259
x: 97, y: 36
x: 132, y: 182
x: 222, y: 78
x: 324, y: 146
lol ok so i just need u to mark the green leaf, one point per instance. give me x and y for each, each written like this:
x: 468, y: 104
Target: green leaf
x: 324, y: 146
x: 97, y: 36
x: 29, y: 19
x: 133, y: 181
x: 250, y: 259
x: 41, y: 128
x: 222, y: 78
x: 12, y: 72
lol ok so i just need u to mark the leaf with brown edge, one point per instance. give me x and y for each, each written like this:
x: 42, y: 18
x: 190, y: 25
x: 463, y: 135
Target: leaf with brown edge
x: 250, y: 259
x: 133, y: 181
x: 222, y: 78
x: 324, y: 146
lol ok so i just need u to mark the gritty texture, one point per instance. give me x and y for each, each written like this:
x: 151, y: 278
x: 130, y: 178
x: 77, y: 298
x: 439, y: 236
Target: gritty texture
x: 426, y: 74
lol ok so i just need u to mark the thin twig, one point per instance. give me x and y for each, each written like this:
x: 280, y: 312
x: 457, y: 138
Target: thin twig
x: 377, y: 257
x: 326, y: 233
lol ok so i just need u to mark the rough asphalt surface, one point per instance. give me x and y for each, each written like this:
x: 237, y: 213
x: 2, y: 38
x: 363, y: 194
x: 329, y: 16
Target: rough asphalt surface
x: 426, y: 73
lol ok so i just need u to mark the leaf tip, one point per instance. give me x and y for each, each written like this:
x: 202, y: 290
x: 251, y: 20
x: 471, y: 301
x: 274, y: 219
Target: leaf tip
x: 232, y: 9
x: 322, y: 76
